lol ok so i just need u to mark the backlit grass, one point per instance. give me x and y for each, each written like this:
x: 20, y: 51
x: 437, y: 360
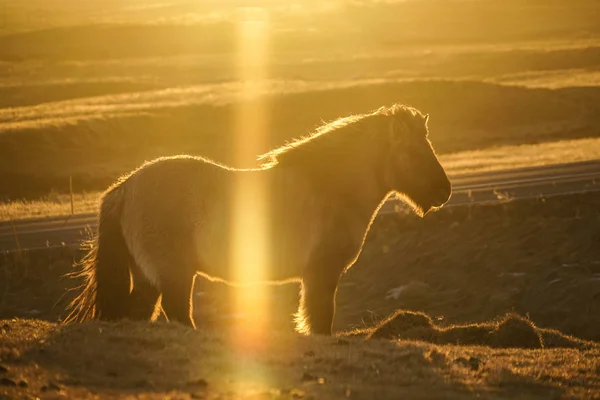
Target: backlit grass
x: 492, y: 159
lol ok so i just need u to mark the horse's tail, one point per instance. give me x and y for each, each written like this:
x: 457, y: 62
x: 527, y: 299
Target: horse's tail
x: 105, y: 268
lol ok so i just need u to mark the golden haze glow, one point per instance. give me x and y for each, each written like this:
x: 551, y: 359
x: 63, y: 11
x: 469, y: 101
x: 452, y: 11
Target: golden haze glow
x: 250, y: 234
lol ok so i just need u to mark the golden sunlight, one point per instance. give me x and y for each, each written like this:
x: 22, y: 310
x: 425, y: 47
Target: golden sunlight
x: 250, y: 234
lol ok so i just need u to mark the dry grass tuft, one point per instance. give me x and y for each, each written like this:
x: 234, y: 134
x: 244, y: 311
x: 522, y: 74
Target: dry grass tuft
x: 52, y: 205
x: 510, y: 331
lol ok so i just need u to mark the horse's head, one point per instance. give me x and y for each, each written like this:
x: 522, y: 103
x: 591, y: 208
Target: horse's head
x: 410, y: 165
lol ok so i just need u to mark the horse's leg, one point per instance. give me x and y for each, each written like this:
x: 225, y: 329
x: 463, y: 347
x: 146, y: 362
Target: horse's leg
x: 143, y: 297
x: 317, y: 301
x: 177, y: 298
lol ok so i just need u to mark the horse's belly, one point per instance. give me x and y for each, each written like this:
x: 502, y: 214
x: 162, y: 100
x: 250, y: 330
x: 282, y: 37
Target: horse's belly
x: 250, y: 259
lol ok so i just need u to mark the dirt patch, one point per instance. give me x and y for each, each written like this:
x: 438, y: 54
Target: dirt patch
x: 161, y: 360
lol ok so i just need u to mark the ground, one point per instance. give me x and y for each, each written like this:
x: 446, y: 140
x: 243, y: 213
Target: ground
x: 465, y: 268
x: 159, y: 361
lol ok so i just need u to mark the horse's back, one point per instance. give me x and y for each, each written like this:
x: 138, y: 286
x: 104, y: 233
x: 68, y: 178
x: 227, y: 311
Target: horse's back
x: 165, y: 203
x: 173, y: 190
x: 178, y: 213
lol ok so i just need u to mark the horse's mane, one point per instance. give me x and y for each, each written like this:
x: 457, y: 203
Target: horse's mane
x: 333, y: 137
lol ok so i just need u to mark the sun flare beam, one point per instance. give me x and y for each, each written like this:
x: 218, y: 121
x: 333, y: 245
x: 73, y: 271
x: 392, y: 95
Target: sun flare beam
x: 250, y: 235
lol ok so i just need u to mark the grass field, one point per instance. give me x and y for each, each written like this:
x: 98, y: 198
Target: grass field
x: 91, y: 92
x: 490, y: 159
x: 465, y: 265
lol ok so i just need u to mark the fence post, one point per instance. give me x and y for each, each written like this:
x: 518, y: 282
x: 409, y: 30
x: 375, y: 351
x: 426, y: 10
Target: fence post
x: 12, y: 223
x: 71, y: 192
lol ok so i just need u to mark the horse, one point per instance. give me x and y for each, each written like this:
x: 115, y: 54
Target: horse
x: 170, y: 220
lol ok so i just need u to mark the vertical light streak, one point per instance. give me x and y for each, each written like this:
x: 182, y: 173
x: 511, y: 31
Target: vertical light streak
x: 250, y: 235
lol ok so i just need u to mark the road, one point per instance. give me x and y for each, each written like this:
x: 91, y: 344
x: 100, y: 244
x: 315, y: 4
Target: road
x: 471, y: 188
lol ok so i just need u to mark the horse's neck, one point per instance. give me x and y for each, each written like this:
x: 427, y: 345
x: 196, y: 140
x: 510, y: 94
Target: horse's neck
x: 348, y: 186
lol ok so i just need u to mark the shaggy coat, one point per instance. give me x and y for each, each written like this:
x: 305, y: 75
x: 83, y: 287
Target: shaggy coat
x: 171, y: 219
